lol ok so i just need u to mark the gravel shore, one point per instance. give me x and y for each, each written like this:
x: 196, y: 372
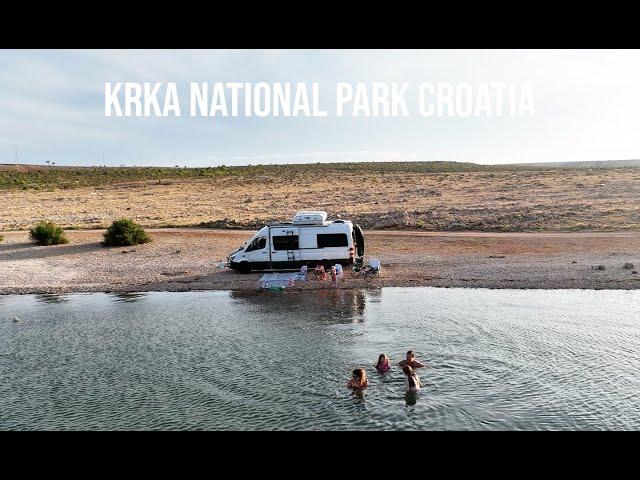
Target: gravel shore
x: 190, y: 259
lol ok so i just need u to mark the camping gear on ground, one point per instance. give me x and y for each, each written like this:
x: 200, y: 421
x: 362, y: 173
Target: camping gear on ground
x: 274, y: 287
x: 358, y: 264
x: 339, y: 271
x: 278, y: 281
x: 373, y: 268
x: 334, y: 275
x: 320, y: 272
x: 302, y: 274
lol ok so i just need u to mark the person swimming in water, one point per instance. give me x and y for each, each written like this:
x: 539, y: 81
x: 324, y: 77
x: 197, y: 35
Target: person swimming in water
x: 411, y: 381
x: 411, y: 361
x: 358, y: 380
x: 383, y: 364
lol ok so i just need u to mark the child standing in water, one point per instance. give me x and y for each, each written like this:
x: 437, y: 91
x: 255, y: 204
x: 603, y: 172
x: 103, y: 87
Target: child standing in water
x: 383, y: 364
x: 358, y: 380
x: 411, y: 381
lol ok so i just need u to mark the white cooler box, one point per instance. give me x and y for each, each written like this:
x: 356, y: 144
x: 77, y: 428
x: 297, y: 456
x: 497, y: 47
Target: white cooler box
x: 310, y: 218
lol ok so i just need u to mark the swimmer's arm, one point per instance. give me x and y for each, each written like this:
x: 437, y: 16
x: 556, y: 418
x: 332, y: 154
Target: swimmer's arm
x: 355, y: 386
x: 417, y: 364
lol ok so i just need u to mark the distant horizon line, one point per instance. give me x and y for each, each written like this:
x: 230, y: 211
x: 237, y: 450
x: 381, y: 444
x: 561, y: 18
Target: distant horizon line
x: 53, y: 164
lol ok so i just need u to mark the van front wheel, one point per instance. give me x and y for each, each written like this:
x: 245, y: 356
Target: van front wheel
x: 244, y: 268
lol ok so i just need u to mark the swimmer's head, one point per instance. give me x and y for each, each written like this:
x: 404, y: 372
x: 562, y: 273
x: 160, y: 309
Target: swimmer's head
x: 359, y: 374
x: 407, y: 370
x: 410, y: 355
x: 383, y: 358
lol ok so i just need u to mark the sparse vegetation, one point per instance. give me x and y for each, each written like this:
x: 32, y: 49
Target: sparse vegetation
x: 125, y: 232
x: 48, y: 233
x: 1, y: 238
x: 37, y: 177
x: 373, y: 195
x: 26, y: 177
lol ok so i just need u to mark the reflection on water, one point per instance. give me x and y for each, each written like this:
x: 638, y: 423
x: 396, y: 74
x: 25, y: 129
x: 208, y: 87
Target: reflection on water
x: 359, y: 394
x: 49, y: 298
x: 508, y: 359
x: 128, y: 297
x: 341, y: 305
x: 374, y: 295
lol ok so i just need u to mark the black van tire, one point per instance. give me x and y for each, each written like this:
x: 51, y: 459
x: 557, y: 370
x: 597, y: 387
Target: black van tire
x: 244, y: 268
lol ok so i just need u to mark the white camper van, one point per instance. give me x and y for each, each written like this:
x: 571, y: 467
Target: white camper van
x: 307, y: 240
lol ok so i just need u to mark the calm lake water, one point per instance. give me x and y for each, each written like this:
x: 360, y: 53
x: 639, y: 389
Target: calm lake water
x: 498, y: 359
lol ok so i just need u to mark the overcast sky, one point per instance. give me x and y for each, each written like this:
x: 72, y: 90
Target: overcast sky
x: 52, y: 108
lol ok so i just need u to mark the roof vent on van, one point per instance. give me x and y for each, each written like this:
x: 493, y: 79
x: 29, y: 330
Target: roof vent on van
x: 310, y: 218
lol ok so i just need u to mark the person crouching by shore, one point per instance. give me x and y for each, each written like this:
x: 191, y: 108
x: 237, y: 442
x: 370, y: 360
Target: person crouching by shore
x: 411, y: 361
x: 411, y: 381
x: 383, y: 364
x: 358, y: 380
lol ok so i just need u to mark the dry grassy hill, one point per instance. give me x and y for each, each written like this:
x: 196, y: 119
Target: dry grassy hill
x: 422, y: 196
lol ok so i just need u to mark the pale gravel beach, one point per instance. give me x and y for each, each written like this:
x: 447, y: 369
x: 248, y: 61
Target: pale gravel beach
x: 185, y: 259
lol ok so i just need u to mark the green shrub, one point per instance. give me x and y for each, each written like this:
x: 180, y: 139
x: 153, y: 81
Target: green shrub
x: 1, y: 238
x: 125, y: 232
x: 48, y: 233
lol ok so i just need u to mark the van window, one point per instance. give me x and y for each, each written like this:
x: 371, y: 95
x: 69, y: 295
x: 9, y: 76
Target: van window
x: 332, y: 240
x: 257, y: 244
x: 285, y: 242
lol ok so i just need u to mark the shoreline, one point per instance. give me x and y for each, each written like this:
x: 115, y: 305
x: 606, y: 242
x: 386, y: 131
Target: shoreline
x: 188, y: 259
